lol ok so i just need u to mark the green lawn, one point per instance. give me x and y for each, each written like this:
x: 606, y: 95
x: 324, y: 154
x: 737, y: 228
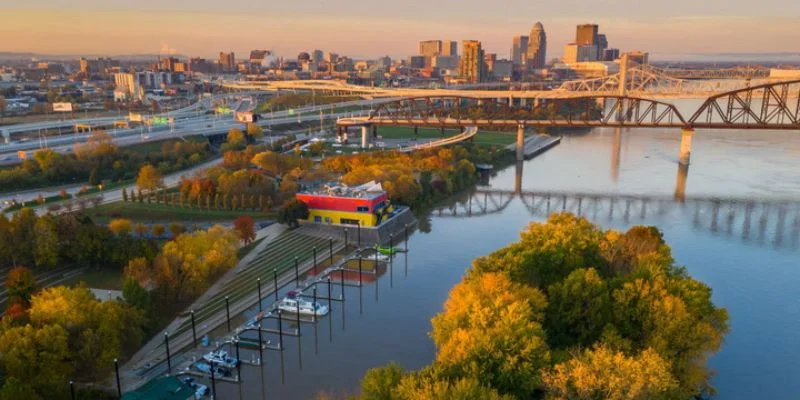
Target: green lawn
x: 155, y: 146
x: 483, y: 137
x: 109, y: 279
x: 144, y: 212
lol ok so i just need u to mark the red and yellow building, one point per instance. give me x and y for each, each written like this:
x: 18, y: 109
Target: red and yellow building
x: 367, y: 205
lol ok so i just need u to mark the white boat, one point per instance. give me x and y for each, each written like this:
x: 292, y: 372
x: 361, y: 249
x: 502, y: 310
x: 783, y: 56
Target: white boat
x: 295, y: 303
x: 380, y: 258
x: 221, y: 358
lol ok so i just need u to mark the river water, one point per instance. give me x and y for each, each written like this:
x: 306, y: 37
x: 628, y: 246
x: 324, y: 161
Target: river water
x: 732, y: 219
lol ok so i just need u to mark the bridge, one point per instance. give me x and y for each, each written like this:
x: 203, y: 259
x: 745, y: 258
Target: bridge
x: 768, y: 106
x: 760, y: 222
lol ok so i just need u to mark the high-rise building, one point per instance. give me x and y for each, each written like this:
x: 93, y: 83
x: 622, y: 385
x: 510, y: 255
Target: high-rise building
x: 472, y: 66
x: 519, y: 49
x: 449, y: 48
x: 490, y: 59
x: 602, y: 43
x: 610, y: 55
x: 227, y: 61
x: 168, y: 63
x: 536, y: 56
x: 638, y: 57
x: 575, y: 53
x: 586, y: 34
x: 430, y: 48
x: 317, y: 56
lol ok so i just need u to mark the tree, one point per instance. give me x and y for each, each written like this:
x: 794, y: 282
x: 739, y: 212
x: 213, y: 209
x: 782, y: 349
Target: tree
x: 236, y: 139
x: 255, y: 130
x: 135, y: 295
x: 491, y: 331
x: 578, y: 310
x: 158, y: 230
x: 46, y: 250
x: 21, y: 284
x: 292, y: 211
x: 245, y: 228
x: 140, y: 229
x: 601, y: 373
x: 176, y: 229
x: 124, y: 194
x: 38, y: 356
x: 424, y: 387
x: 149, y: 178
x: 120, y: 226
x: 378, y: 383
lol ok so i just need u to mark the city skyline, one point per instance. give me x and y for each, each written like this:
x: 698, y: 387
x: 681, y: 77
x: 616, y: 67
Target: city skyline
x: 93, y: 27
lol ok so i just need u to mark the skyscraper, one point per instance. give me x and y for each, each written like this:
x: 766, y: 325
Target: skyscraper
x: 472, y: 66
x: 586, y: 35
x: 449, y: 48
x: 430, y: 48
x: 536, y: 56
x: 519, y: 49
x: 227, y: 61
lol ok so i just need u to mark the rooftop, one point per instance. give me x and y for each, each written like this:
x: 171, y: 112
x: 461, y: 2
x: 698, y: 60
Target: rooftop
x: 369, y: 191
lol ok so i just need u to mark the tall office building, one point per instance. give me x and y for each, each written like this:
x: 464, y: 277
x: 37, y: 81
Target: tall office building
x: 472, y: 66
x: 227, y: 61
x: 430, y: 48
x: 575, y: 53
x: 449, y: 48
x: 536, y: 56
x: 317, y: 56
x: 519, y: 49
x: 602, y: 42
x: 586, y: 35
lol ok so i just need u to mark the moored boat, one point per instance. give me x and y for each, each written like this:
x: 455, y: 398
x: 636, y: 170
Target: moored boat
x: 295, y: 303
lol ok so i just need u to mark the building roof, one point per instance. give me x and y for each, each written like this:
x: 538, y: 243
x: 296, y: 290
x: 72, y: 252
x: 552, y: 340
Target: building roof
x: 369, y: 191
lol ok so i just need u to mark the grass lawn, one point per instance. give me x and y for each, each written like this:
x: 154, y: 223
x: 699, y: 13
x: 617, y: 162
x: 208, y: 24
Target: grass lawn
x: 155, y: 146
x: 144, y: 212
x: 109, y: 279
x: 483, y: 137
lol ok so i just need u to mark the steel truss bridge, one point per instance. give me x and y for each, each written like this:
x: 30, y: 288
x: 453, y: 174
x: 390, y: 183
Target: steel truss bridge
x: 769, y: 106
x: 775, y: 223
x: 641, y: 80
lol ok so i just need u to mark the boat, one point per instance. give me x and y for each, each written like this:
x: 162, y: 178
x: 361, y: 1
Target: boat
x: 294, y: 303
x: 380, y: 258
x: 387, y: 250
x: 221, y: 358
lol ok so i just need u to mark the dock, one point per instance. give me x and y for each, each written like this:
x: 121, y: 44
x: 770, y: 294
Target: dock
x: 537, y: 144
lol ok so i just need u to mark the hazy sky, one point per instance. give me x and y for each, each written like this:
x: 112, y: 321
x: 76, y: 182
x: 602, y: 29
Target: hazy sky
x: 378, y: 27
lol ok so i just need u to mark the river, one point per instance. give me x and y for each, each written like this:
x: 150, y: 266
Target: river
x: 744, y: 244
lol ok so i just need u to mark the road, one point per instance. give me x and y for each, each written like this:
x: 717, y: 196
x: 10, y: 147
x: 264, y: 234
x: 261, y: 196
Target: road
x: 187, y: 124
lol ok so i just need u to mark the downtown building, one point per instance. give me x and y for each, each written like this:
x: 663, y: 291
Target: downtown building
x: 472, y: 66
x: 536, y: 54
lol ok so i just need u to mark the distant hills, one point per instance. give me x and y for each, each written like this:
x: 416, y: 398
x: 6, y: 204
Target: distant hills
x: 20, y: 56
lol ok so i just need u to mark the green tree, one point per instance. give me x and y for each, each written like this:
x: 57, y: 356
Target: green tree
x: 46, y: 250
x: 38, y: 356
x: 378, y: 383
x: 578, y: 309
x: 124, y: 194
x: 135, y: 295
x: 423, y: 387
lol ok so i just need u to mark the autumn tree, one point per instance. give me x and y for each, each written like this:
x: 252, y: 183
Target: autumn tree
x: 46, y: 250
x: 491, y: 331
x: 245, y: 228
x: 20, y: 284
x: 120, y: 226
x: 158, y: 230
x: 149, y: 178
x: 379, y: 383
x: 255, y: 130
x: 601, y: 373
x: 235, y: 139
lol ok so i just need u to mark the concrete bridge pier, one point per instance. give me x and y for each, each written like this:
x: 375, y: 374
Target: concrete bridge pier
x: 680, y: 183
x: 518, y: 178
x: 521, y: 142
x: 686, y: 145
x: 364, y: 137
x: 616, y: 154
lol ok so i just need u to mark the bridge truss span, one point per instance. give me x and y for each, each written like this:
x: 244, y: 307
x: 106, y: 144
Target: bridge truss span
x: 585, y: 111
x: 769, y: 106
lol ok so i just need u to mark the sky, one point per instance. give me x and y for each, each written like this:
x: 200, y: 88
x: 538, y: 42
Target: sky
x: 371, y: 28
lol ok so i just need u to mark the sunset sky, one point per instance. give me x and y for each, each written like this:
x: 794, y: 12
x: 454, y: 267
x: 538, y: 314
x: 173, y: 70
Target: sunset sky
x: 368, y: 28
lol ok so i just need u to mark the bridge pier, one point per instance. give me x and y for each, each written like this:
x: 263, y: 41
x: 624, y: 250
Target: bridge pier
x: 686, y: 146
x: 521, y: 143
x: 364, y: 137
x: 616, y: 152
x: 680, y: 183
